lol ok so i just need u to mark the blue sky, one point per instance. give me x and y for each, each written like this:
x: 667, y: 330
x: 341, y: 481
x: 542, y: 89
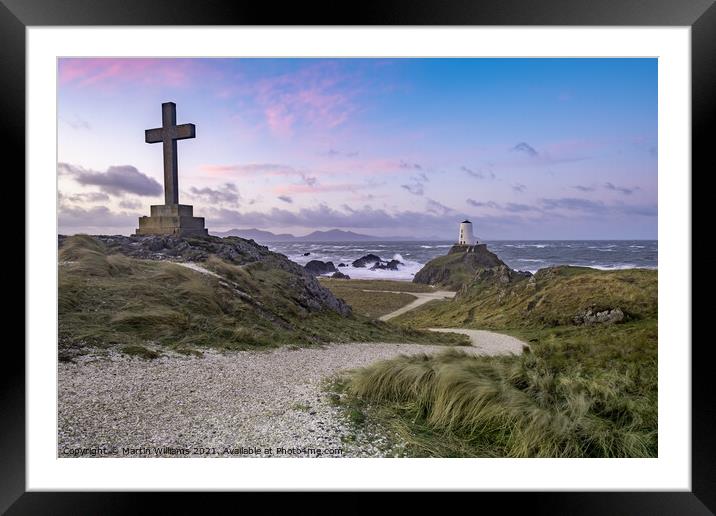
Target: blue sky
x: 525, y: 148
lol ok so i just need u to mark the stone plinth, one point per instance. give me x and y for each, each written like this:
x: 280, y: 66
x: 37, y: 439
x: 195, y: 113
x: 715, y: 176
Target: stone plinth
x: 172, y: 219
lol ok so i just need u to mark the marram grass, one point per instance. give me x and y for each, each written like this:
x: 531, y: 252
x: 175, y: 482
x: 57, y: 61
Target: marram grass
x: 454, y: 404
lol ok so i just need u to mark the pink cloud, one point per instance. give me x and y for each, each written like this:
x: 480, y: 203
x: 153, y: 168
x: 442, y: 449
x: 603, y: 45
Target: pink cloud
x: 108, y: 72
x: 329, y: 167
x: 264, y: 169
x: 321, y: 188
x: 316, y: 97
x: 279, y: 119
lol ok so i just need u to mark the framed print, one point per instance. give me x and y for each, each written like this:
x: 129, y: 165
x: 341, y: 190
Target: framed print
x: 418, y: 249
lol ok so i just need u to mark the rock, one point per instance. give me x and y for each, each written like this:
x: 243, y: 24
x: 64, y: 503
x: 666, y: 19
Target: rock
x: 306, y: 254
x: 458, y: 267
x: 317, y: 267
x: 364, y: 260
x: 590, y: 316
x: 342, y: 265
x: 340, y: 275
x: 391, y: 265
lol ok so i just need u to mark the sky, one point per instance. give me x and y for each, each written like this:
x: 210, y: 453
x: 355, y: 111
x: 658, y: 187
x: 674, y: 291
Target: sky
x: 525, y: 148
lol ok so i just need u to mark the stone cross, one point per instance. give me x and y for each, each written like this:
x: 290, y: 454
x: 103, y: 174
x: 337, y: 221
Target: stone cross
x: 168, y: 134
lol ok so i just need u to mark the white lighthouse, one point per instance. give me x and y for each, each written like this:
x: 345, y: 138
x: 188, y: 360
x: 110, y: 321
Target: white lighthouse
x: 466, y: 237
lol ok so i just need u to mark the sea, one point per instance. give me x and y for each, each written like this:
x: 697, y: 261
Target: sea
x: 524, y: 255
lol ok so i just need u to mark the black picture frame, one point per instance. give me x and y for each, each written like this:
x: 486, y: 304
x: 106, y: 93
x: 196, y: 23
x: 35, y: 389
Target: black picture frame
x: 17, y: 15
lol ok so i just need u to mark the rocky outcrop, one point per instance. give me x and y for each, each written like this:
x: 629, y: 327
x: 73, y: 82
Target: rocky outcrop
x: 317, y: 267
x: 392, y: 265
x: 363, y: 261
x: 190, y: 249
x: 501, y: 275
x: 305, y: 288
x: 340, y: 275
x: 458, y: 267
x: 378, y: 263
x: 593, y: 316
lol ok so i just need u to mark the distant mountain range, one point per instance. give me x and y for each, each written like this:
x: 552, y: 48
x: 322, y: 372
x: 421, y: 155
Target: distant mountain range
x: 332, y: 235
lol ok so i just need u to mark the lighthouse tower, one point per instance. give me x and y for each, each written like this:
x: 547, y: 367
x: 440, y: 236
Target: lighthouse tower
x: 466, y: 237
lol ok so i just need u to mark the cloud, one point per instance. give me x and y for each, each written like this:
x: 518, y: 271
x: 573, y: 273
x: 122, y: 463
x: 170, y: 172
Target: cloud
x: 363, y: 219
x: 526, y: 148
x: 225, y: 194
x: 480, y: 204
x: 323, y: 216
x: 271, y: 169
x: 130, y: 205
x: 118, y: 180
x: 574, y: 204
x: 77, y: 123
x: 411, y: 166
x: 414, y: 188
x: 112, y: 73
x: 519, y: 187
x: 644, y: 211
x: 583, y: 188
x: 312, y: 186
x: 262, y: 169
x: 517, y: 207
x: 317, y: 96
x: 308, y: 180
x: 510, y: 207
x: 333, y: 153
x: 86, y: 197
x: 433, y: 206
x: 566, y: 207
x: 621, y: 189
x: 95, y: 217
x: 591, y: 208
x: 286, y: 199
x: 478, y: 174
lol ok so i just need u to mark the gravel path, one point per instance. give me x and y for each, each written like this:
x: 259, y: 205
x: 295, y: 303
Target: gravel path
x: 488, y: 342
x: 224, y: 400
x: 423, y: 297
x: 226, y: 403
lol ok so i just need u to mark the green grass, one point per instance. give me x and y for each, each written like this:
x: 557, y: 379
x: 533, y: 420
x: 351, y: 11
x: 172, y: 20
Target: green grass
x: 113, y: 301
x: 553, y: 298
x: 140, y: 351
x: 371, y: 304
x: 374, y: 298
x: 582, y: 390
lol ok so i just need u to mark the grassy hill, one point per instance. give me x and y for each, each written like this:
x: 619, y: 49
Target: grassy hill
x: 584, y: 388
x: 133, y: 294
x: 554, y: 296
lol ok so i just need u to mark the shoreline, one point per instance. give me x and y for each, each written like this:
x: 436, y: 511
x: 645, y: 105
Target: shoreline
x: 533, y: 271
